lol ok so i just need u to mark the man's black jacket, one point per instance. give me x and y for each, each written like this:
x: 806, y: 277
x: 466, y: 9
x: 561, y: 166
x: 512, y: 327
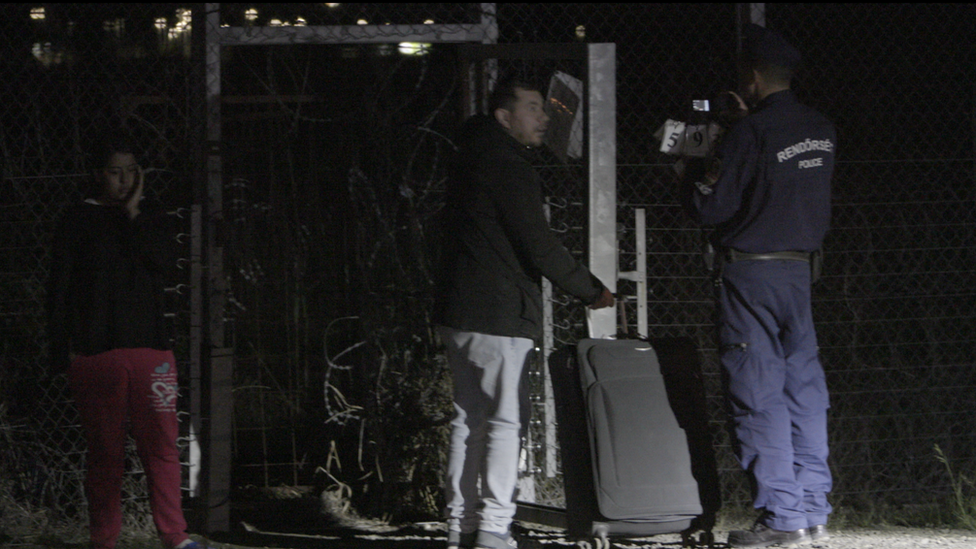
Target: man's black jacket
x: 498, y: 243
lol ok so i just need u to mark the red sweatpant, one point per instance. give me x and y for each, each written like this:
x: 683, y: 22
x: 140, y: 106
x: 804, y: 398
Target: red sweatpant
x: 139, y: 385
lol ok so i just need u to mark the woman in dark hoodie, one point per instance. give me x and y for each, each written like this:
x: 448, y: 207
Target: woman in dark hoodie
x: 108, y: 331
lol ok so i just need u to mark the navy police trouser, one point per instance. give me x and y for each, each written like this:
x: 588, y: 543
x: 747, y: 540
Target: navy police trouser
x: 776, y: 388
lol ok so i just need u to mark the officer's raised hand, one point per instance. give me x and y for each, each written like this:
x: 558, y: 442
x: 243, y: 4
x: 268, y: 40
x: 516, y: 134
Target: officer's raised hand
x: 732, y: 108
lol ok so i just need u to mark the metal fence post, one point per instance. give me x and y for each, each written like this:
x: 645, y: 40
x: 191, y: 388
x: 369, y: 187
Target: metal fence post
x: 211, y: 362
x: 602, y: 128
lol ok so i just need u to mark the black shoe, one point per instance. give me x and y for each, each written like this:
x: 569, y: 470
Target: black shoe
x: 819, y: 532
x: 761, y: 535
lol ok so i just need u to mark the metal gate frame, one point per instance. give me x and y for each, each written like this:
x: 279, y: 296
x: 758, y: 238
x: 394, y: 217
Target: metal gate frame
x: 211, y: 361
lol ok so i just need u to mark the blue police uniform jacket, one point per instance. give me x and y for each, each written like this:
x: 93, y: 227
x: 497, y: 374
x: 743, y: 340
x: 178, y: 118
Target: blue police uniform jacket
x: 773, y: 187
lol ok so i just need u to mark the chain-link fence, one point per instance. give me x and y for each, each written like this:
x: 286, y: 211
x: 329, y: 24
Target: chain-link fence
x: 895, y: 311
x: 73, y: 71
x: 334, y: 144
x: 328, y: 260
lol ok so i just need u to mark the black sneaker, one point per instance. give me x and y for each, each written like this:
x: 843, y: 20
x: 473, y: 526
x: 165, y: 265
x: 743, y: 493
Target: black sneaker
x: 819, y: 532
x: 761, y: 535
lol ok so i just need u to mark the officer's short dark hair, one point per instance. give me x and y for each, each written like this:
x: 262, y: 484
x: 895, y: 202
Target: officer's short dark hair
x: 503, y: 96
x: 769, y: 53
x: 777, y: 74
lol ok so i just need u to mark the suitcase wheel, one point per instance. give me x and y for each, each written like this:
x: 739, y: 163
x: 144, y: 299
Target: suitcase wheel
x: 597, y: 543
x: 601, y: 536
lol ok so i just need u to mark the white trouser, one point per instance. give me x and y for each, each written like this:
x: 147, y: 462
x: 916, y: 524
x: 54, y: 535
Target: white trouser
x: 485, y: 430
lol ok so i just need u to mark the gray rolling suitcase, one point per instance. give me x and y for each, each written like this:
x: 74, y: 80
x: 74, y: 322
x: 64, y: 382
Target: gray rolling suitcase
x: 628, y: 465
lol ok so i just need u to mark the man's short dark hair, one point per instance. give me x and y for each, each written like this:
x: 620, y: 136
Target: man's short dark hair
x: 503, y: 96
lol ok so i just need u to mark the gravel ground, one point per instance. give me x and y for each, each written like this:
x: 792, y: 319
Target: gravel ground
x: 887, y: 538
x: 261, y: 528
x: 431, y: 536
x: 894, y: 538
x: 900, y: 538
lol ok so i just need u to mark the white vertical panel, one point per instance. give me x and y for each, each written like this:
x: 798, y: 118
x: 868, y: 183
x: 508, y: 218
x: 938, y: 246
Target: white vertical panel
x: 641, y: 236
x: 602, y: 139
x: 757, y: 13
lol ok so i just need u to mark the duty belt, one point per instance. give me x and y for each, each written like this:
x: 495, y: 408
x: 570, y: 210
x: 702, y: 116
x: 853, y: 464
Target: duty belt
x: 731, y: 256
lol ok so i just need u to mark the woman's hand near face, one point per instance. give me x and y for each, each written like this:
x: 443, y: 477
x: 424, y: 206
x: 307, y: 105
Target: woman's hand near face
x: 132, y: 203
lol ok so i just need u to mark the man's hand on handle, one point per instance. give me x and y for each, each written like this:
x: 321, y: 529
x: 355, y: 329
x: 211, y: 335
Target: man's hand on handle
x: 605, y: 300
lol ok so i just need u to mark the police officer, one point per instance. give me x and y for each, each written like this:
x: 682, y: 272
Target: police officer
x: 766, y: 194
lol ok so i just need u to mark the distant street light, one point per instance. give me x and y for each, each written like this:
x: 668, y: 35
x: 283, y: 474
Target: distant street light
x: 414, y: 48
